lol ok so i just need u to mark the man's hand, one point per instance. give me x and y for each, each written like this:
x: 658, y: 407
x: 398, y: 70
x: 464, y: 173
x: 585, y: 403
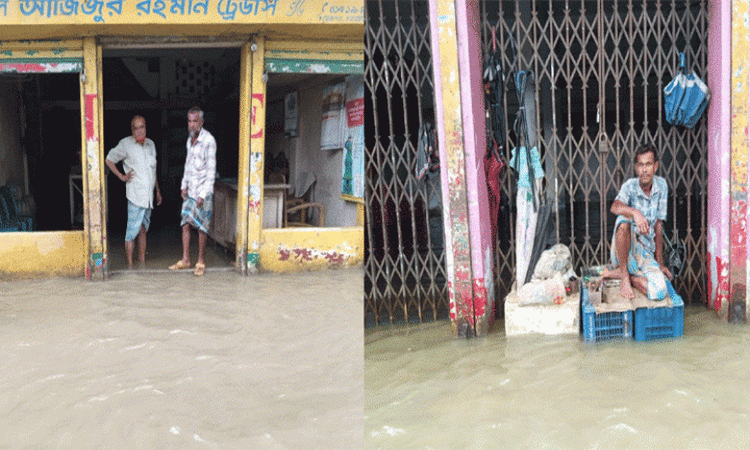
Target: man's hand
x: 158, y: 197
x: 127, y: 177
x: 184, y: 194
x: 640, y: 222
x: 199, y: 202
x: 665, y: 271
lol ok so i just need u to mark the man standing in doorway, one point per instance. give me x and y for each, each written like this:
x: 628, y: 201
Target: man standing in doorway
x: 138, y: 156
x: 197, y: 189
x: 641, y: 208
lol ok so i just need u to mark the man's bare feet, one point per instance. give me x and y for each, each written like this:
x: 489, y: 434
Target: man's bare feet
x: 622, y: 274
x: 626, y: 289
x: 640, y: 284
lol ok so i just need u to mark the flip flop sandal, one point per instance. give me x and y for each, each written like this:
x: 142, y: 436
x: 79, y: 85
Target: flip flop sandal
x: 179, y: 265
x: 200, y: 269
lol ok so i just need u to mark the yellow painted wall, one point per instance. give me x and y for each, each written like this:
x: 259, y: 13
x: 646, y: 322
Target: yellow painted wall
x: 295, y: 249
x: 25, y: 254
x: 44, y: 19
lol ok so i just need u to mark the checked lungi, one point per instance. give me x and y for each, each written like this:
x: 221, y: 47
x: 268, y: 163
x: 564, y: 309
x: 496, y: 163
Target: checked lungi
x: 137, y: 217
x: 198, y: 217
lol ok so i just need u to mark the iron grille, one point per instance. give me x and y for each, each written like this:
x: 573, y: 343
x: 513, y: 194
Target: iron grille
x: 404, y: 256
x: 600, y: 68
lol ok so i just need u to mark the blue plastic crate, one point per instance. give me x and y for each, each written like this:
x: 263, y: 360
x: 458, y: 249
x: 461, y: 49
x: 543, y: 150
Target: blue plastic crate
x: 603, y: 326
x: 661, y: 322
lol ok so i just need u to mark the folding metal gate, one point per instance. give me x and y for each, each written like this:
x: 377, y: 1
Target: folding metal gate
x: 600, y: 68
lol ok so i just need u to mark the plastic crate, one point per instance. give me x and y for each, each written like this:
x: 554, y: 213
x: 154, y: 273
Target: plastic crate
x: 660, y: 322
x: 603, y: 326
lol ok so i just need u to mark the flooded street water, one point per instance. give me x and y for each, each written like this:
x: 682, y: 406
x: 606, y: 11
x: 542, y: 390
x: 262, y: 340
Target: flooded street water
x: 161, y: 360
x: 426, y: 390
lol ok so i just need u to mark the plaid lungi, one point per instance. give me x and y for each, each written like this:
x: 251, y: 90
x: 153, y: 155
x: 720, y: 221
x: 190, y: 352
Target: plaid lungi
x: 641, y: 262
x: 137, y: 216
x: 198, y: 217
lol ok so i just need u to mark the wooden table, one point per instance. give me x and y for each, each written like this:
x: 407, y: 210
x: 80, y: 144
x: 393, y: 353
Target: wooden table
x: 224, y: 217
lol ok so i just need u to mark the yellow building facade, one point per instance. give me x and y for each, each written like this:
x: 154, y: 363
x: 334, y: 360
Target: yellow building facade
x: 241, y: 58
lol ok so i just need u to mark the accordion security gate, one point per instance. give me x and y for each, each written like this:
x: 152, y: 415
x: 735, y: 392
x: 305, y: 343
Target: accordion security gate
x: 599, y: 68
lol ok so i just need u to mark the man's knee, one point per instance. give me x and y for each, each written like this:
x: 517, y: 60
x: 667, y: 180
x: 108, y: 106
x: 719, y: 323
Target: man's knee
x: 657, y: 287
x: 622, y: 233
x: 623, y: 229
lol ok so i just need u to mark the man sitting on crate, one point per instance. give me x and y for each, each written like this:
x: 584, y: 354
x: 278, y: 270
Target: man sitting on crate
x: 641, y: 207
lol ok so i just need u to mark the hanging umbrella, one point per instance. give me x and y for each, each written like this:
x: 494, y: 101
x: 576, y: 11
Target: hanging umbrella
x: 526, y: 162
x: 494, y: 163
x: 685, y: 97
x: 543, y: 235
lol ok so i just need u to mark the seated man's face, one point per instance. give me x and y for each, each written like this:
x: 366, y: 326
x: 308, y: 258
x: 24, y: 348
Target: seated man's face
x: 645, y: 168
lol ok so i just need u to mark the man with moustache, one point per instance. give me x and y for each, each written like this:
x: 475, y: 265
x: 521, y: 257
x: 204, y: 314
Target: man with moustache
x: 641, y: 208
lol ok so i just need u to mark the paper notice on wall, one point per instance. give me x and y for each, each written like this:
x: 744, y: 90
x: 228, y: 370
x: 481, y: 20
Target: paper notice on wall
x: 353, y: 181
x: 291, y: 122
x: 333, y: 126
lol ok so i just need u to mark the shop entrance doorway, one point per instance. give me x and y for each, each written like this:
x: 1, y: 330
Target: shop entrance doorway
x: 161, y: 83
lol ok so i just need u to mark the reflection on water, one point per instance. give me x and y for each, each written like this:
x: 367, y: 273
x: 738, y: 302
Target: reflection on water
x: 426, y: 390
x: 172, y: 361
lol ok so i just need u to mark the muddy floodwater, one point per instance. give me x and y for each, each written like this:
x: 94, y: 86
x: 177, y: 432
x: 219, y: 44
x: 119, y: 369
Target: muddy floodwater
x: 158, y: 360
x: 426, y: 390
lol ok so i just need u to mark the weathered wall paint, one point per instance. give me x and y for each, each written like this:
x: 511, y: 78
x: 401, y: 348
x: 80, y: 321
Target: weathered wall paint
x: 24, y: 254
x: 322, y: 50
x: 93, y: 167
x: 719, y: 123
x: 56, y: 47
x: 739, y: 156
x: 40, y: 67
x: 295, y: 249
x: 243, y: 179
x: 313, y: 66
x: 50, y: 51
x: 257, y: 109
x: 449, y: 125
x: 468, y: 20
x: 457, y: 67
x: 257, y: 148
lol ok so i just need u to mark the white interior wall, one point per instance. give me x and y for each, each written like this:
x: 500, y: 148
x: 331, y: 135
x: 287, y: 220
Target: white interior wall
x: 11, y: 150
x: 325, y: 165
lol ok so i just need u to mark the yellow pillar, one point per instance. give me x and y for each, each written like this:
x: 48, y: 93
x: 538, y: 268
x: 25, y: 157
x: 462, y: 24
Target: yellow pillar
x: 257, y: 147
x: 243, y: 178
x: 93, y: 169
x: 450, y: 137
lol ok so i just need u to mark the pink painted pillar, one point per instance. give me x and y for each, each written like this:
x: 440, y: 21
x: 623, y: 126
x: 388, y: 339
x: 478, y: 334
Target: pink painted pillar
x: 457, y: 68
x: 719, y: 125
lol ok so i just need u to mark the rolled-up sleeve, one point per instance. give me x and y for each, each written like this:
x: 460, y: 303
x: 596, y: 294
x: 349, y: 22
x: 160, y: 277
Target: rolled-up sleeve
x: 117, y: 153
